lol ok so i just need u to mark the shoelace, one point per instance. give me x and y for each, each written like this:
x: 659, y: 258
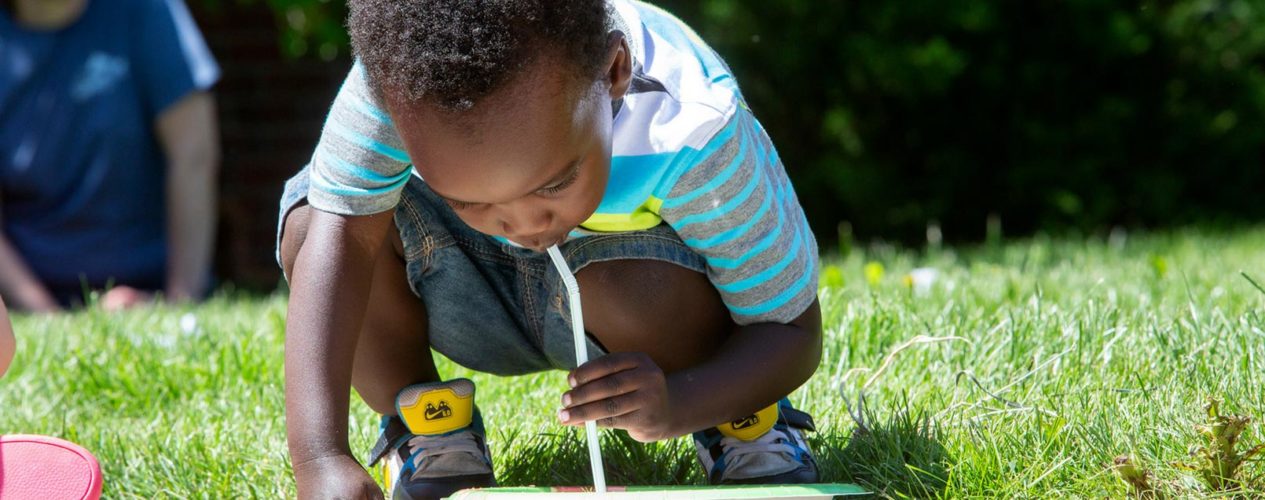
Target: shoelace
x: 432, y: 446
x: 774, y: 441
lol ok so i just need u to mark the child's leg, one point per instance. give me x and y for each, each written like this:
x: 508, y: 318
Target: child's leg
x: 675, y: 315
x: 393, y: 350
x: 672, y: 313
x: 392, y: 359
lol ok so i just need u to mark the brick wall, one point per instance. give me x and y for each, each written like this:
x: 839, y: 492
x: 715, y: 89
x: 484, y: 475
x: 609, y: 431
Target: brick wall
x: 271, y: 111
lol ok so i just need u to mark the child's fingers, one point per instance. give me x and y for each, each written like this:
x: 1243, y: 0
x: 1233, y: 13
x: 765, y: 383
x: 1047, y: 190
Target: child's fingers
x: 608, y: 412
x: 606, y: 387
x: 606, y: 365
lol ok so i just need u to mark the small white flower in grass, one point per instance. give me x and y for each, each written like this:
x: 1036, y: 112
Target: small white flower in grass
x: 189, y: 323
x: 921, y: 279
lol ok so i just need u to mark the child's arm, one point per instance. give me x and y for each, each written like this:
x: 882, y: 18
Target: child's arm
x: 7, y: 343
x: 329, y: 294
x: 330, y: 284
x: 756, y: 366
x: 734, y: 205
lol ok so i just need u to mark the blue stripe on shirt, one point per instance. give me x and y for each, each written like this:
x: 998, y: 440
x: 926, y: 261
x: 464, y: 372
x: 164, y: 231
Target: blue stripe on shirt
x: 366, y: 142
x: 771, y: 158
x: 727, y: 207
x: 365, y: 107
x: 368, y: 109
x: 671, y: 163
x: 631, y: 181
x: 719, y: 179
x: 760, y: 247
x: 365, y: 174
x: 778, y: 300
x: 757, y: 279
x: 688, y: 157
x: 386, y: 184
x: 737, y: 231
x: 327, y: 186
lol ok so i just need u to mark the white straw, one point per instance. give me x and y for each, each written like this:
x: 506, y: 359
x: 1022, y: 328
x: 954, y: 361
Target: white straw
x: 581, y: 357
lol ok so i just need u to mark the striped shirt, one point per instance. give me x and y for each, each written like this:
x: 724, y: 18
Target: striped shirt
x: 686, y: 151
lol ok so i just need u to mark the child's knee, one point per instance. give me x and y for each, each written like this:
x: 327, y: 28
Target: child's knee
x: 293, y: 234
x: 673, y: 313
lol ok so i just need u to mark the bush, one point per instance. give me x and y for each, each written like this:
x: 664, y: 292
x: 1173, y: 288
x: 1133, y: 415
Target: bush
x: 1062, y: 115
x: 1055, y: 115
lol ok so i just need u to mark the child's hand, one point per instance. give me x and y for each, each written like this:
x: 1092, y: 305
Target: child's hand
x: 337, y: 476
x: 624, y: 390
x: 124, y: 297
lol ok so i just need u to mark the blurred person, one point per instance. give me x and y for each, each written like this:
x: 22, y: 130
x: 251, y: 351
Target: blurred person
x: 108, y: 152
x: 7, y: 343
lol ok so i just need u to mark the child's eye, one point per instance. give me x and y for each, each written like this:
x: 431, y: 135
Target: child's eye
x: 563, y: 184
x: 458, y: 205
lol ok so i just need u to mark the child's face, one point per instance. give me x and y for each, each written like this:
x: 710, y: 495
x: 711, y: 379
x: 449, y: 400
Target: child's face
x: 529, y: 163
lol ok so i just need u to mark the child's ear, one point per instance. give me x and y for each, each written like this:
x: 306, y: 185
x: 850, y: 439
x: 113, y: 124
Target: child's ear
x: 618, y: 65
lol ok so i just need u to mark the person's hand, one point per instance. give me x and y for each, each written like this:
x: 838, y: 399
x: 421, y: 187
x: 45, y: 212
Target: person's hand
x: 7, y: 343
x: 33, y: 297
x: 625, y: 390
x: 335, y: 477
x: 124, y: 297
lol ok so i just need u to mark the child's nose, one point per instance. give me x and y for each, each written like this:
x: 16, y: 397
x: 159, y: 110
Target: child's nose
x: 523, y: 224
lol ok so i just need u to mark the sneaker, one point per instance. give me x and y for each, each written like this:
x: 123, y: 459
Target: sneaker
x: 436, y: 446
x: 764, y: 448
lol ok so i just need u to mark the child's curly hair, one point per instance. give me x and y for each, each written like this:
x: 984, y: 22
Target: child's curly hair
x: 454, y: 52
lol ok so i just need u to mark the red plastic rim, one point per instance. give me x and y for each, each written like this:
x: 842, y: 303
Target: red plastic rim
x: 47, y: 468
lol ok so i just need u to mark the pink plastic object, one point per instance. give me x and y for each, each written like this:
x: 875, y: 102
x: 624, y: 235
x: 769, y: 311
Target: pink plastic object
x: 47, y: 468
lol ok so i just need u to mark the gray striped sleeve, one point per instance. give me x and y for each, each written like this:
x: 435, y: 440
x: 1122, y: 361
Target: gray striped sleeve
x: 359, y: 166
x: 737, y: 208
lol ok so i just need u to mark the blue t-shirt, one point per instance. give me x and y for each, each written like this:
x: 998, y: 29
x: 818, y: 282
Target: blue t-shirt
x: 82, y: 172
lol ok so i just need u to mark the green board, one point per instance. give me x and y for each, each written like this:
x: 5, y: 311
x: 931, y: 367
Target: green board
x: 797, y: 491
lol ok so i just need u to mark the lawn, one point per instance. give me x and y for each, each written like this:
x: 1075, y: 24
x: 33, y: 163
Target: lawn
x: 1057, y: 356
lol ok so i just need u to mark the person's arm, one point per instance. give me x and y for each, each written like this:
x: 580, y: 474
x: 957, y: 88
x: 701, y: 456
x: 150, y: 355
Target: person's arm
x: 19, y: 284
x: 330, y: 282
x: 762, y: 259
x: 329, y: 290
x: 7, y: 343
x: 189, y: 134
x: 766, y: 360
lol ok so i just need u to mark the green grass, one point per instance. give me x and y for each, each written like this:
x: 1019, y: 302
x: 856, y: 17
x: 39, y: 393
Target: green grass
x: 1091, y: 349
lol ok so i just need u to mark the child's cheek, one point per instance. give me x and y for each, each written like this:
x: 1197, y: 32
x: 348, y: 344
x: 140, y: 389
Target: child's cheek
x: 587, y: 201
x: 480, y: 221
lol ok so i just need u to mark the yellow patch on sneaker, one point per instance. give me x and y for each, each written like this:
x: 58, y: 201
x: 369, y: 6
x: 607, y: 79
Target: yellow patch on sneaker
x: 387, y: 475
x: 751, y: 426
x: 438, y: 411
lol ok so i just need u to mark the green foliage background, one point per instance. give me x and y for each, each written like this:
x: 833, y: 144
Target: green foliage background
x: 1055, y: 115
